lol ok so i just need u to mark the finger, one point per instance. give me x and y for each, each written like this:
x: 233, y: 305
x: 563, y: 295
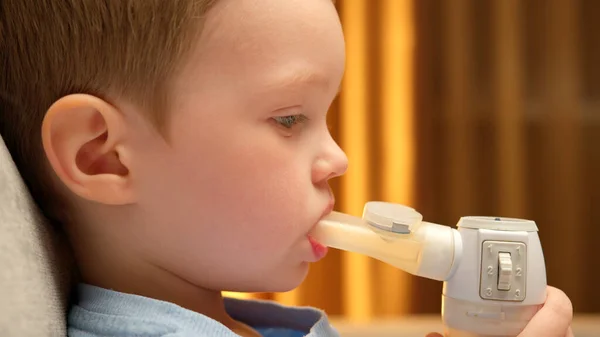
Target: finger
x: 434, y: 334
x: 553, y: 319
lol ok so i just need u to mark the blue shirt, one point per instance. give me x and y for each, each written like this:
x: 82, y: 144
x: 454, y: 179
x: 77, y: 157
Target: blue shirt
x: 101, y: 313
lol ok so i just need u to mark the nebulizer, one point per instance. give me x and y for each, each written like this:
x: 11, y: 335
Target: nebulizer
x: 493, y: 270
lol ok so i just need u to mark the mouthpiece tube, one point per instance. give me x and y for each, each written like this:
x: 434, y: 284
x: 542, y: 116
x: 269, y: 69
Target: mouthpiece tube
x: 394, y: 234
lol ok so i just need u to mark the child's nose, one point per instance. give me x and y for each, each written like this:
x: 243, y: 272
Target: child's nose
x: 332, y: 163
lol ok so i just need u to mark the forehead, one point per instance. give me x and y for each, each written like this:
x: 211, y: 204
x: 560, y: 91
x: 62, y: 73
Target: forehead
x: 278, y: 41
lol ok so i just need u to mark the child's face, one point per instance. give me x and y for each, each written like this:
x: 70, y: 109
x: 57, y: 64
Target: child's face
x: 228, y: 203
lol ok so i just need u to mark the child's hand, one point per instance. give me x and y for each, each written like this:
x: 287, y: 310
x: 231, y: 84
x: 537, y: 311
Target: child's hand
x: 552, y: 320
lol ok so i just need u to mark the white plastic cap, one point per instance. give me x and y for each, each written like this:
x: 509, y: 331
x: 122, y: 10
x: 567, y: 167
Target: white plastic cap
x: 500, y: 224
x: 391, y: 217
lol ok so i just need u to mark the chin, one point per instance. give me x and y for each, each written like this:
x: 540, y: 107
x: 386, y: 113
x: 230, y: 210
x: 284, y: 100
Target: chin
x: 276, y: 281
x: 282, y: 280
x: 291, y: 279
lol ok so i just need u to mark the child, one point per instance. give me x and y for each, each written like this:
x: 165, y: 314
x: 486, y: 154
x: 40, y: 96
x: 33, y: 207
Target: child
x: 182, y: 146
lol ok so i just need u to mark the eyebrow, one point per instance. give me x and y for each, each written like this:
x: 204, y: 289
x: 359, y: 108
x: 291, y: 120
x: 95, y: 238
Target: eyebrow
x: 301, y: 76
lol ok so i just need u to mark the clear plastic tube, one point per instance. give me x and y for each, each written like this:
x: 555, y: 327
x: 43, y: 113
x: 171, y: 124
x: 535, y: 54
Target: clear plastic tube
x: 419, y: 248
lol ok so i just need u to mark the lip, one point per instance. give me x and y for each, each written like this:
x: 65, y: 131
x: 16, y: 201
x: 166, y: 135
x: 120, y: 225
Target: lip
x: 318, y: 249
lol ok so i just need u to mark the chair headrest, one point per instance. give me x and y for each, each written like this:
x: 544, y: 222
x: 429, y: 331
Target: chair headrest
x: 34, y: 263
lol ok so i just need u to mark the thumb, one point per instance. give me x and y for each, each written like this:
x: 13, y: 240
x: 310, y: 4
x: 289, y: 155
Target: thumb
x: 553, y: 319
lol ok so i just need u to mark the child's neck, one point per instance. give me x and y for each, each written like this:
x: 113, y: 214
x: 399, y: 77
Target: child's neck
x: 125, y: 272
x: 154, y: 282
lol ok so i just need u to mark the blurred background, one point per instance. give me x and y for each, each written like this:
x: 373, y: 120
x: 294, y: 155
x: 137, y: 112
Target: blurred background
x: 466, y: 107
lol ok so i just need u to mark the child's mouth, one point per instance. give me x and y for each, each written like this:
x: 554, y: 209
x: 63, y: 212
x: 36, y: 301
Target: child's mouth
x: 318, y: 249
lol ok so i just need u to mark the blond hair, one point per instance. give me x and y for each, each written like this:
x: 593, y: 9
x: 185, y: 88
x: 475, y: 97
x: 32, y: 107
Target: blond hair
x: 52, y: 48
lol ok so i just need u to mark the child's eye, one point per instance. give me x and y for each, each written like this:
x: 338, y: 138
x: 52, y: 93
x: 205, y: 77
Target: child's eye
x: 289, y: 121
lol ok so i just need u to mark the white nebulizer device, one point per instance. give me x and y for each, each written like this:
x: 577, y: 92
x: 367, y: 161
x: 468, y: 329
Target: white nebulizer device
x: 493, y: 268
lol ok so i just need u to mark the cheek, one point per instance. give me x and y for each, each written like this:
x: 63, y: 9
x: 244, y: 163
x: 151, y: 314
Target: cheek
x: 255, y: 196
x: 263, y: 191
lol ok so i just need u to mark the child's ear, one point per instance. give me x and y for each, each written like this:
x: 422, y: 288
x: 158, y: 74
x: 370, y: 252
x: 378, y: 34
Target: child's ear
x: 83, y: 137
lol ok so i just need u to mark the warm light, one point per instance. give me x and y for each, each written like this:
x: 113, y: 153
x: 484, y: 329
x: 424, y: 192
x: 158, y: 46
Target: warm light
x: 291, y: 298
x: 244, y: 296
x: 397, y: 129
x: 357, y: 291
